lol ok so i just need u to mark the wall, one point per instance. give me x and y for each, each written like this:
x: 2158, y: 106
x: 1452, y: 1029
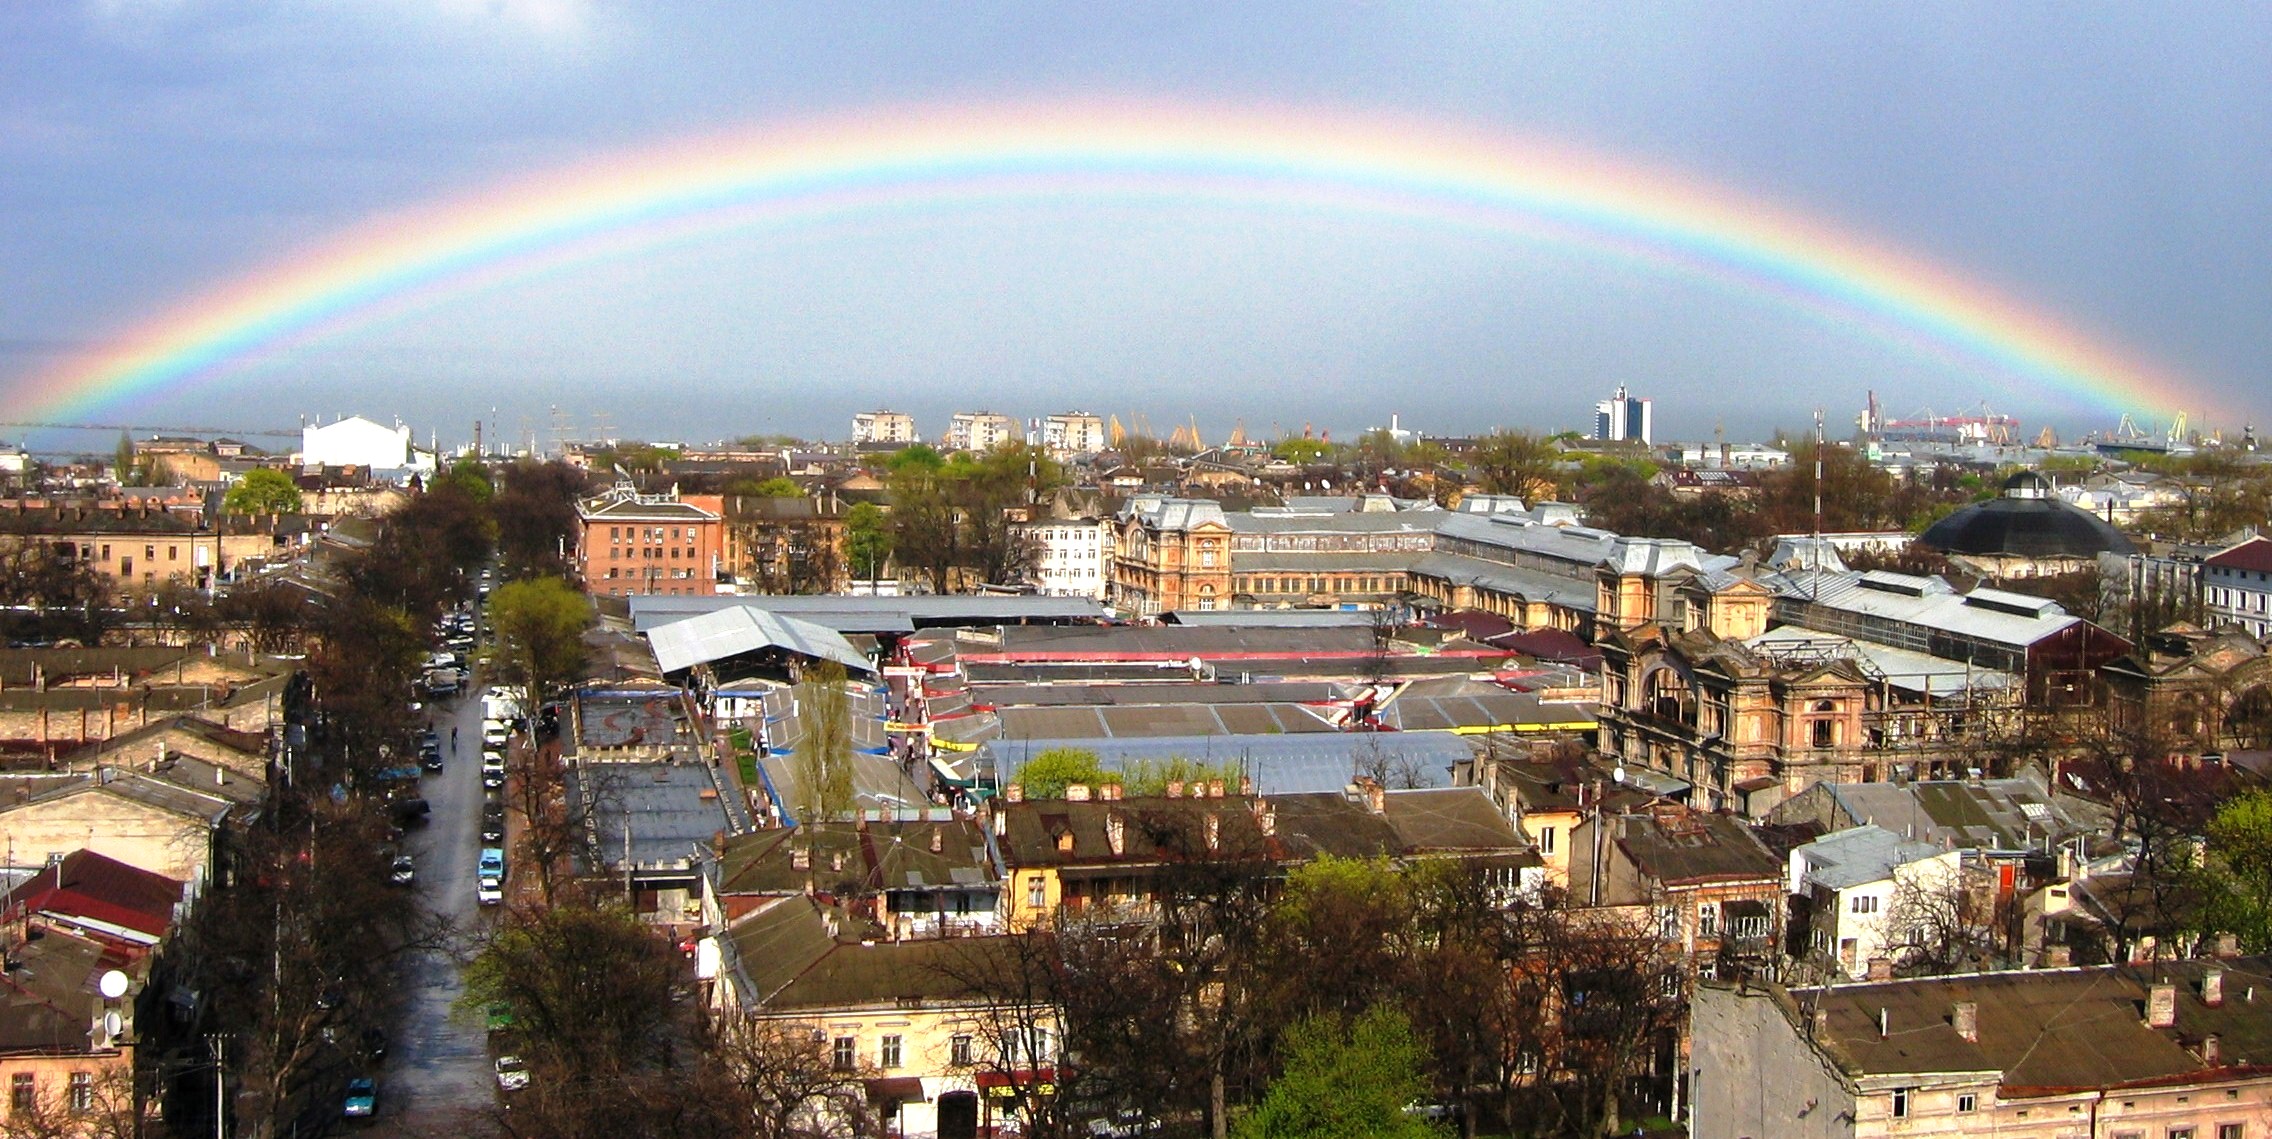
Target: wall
x: 161, y: 842
x: 1750, y: 1075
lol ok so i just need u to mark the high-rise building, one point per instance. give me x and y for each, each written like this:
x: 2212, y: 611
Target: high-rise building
x: 980, y: 431
x: 883, y: 427
x: 1624, y: 418
x: 1073, y: 432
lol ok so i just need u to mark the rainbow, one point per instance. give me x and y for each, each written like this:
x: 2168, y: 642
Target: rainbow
x: 940, y: 160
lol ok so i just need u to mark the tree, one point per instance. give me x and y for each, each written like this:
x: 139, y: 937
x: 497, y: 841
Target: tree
x: 263, y: 490
x: 1936, y: 922
x: 2238, y: 869
x: 923, y: 531
x: 867, y: 539
x: 787, y: 1080
x: 469, y: 476
x: 777, y: 487
x: 1517, y: 463
x: 1345, y: 1083
x: 591, y: 989
x: 535, y: 514
x: 1046, y: 775
x: 822, y: 759
x: 1301, y: 452
x: 539, y: 628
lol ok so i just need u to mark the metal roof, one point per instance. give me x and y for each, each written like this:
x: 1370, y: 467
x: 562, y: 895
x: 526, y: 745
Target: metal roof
x: 1279, y: 764
x: 1854, y: 857
x: 681, y: 645
x: 1905, y: 669
x: 871, y: 614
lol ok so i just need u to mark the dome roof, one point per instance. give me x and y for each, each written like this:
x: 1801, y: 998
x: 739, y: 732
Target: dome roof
x: 2027, y: 522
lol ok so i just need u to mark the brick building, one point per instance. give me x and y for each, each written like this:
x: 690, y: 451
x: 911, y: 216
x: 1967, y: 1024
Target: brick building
x: 650, y: 543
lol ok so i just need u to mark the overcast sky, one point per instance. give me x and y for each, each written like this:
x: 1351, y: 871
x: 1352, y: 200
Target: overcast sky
x: 2106, y: 165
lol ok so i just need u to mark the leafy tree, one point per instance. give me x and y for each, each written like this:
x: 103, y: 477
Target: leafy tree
x: 1345, y: 1083
x: 591, y: 989
x: 1151, y: 777
x: 1046, y: 775
x: 263, y: 490
x: 822, y: 758
x: 778, y: 487
x: 918, y: 457
x: 1301, y: 452
x: 867, y: 539
x: 48, y: 595
x: 539, y: 625
x: 924, y: 534
x: 2238, y: 874
x: 1517, y: 463
x: 471, y: 477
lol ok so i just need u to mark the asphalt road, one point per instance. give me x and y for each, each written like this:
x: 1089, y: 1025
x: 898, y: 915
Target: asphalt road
x: 440, y: 1065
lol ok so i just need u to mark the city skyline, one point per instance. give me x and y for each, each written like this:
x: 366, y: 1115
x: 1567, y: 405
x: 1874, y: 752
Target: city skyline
x: 1266, y: 245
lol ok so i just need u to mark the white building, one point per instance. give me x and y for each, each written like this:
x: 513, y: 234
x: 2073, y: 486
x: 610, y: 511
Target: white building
x: 981, y: 431
x: 1072, y: 433
x: 358, y: 442
x: 1624, y: 418
x: 1858, y: 881
x: 882, y: 426
x: 2238, y: 586
x: 1073, y: 556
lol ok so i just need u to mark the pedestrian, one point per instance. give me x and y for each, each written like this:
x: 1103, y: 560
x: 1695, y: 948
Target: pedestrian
x: 453, y: 739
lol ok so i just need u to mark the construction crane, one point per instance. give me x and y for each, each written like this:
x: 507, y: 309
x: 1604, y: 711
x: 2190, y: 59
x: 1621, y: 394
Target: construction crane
x: 1986, y: 427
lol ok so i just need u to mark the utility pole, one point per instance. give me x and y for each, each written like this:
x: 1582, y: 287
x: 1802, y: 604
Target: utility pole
x: 220, y: 1085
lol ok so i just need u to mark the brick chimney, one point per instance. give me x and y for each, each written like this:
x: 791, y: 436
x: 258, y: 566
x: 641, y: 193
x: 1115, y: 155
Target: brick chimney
x: 1215, y: 788
x: 2213, y: 987
x: 800, y: 858
x: 2057, y: 957
x: 1076, y: 792
x: 2212, y: 1051
x: 1246, y: 785
x: 1376, y: 796
x: 1965, y: 1017
x: 1881, y: 969
x: 2226, y: 945
x: 1014, y: 793
x: 1109, y: 792
x: 1175, y: 788
x: 2161, y: 1005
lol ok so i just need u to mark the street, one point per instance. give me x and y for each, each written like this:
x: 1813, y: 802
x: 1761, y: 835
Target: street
x: 440, y: 1064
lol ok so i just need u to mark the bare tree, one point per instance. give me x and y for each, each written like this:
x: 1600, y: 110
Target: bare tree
x: 823, y: 756
x: 1938, y: 920
x: 785, y: 1075
x: 103, y: 1108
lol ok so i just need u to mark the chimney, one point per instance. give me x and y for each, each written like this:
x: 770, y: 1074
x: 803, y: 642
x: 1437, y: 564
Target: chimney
x: 1376, y: 797
x: 1076, y: 792
x: 1214, y: 788
x: 801, y: 858
x: 1246, y: 785
x: 1116, y: 833
x: 836, y: 861
x: 2161, y: 1005
x: 1965, y: 1017
x: 1214, y: 833
x: 1885, y: 1022
x: 1109, y: 792
x: 2212, y: 1051
x: 1881, y: 969
x: 1014, y: 793
x: 938, y: 840
x: 2057, y: 957
x: 1266, y: 818
x: 2213, y: 987
x: 2227, y: 945
x: 1818, y: 1022
x: 1175, y: 788
x: 1001, y: 824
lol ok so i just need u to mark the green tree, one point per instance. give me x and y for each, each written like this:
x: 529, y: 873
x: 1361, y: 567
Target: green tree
x: 470, y: 476
x: 867, y: 539
x: 779, y: 486
x: 1517, y: 463
x: 263, y: 490
x: 1345, y: 1083
x: 1046, y: 775
x: 2238, y: 869
x: 535, y: 513
x: 539, y: 627
x: 1301, y: 452
x: 822, y: 758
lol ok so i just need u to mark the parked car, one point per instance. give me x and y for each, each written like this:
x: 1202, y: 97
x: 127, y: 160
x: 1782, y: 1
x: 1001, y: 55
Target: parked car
x: 375, y: 1043
x: 493, y: 830
x: 362, y: 1098
x: 500, y: 1016
x: 494, y: 734
x: 512, y: 1073
x: 404, y: 873
x: 489, y: 891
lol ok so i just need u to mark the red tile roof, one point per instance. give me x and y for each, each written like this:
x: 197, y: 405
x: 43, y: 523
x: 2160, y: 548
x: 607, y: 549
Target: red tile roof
x: 2254, y: 554
x: 89, y: 886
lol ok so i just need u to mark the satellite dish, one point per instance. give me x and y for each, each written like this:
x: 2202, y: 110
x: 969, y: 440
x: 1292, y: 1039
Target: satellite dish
x: 113, y: 985
x: 113, y: 1024
x: 1618, y: 773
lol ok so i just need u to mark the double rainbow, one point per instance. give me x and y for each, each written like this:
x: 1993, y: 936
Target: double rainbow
x: 939, y: 161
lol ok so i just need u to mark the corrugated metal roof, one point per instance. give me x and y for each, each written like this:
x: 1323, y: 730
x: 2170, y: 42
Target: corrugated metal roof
x: 1279, y: 764
x: 681, y: 645
x: 1902, y: 668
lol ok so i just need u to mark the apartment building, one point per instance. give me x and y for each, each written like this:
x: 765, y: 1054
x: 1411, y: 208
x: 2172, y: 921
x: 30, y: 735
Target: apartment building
x: 650, y: 543
x: 1073, y: 433
x: 2238, y: 586
x: 1072, y: 556
x: 981, y: 431
x: 883, y: 426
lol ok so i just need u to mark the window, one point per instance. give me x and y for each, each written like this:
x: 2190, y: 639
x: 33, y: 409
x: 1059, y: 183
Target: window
x: 2180, y: 1133
x: 845, y: 1053
x: 126, y: 567
x: 1546, y: 840
x: 1863, y: 904
x: 82, y: 1092
x: 173, y: 553
x: 958, y: 1051
x: 23, y: 1094
x: 1707, y: 920
x: 890, y: 1057
x: 1967, y: 1101
x: 1901, y: 1102
x: 150, y: 552
x: 2232, y: 1130
x: 106, y: 551
x: 1037, y: 893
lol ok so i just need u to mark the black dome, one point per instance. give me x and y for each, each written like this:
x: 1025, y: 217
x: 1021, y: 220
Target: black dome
x: 2026, y: 522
